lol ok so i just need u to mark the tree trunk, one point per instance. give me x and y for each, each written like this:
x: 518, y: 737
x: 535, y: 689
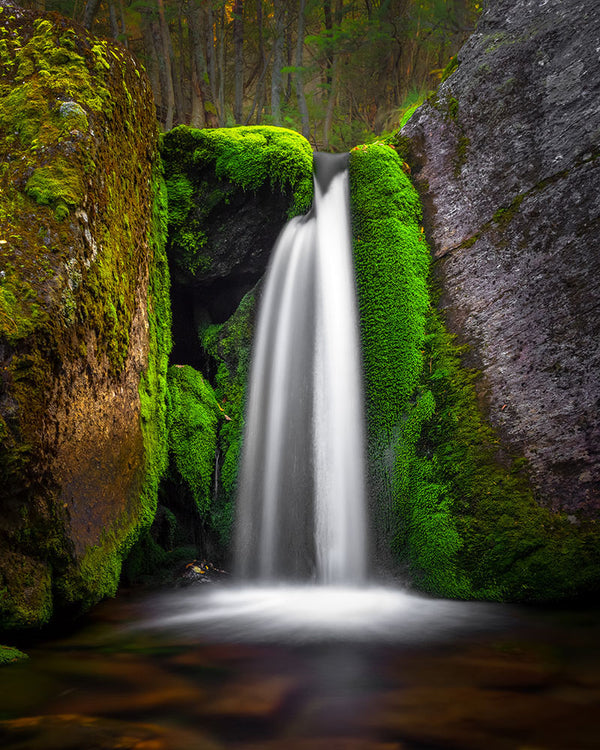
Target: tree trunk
x: 331, y: 101
x: 89, y: 13
x: 299, y: 78
x: 238, y: 46
x: 221, y: 64
x: 179, y: 108
x: 276, y: 76
x: 289, y: 53
x: 124, y: 40
x: 202, y: 100
x: 259, y: 101
x: 164, y: 59
x: 329, y: 54
x: 114, y: 25
x: 150, y: 60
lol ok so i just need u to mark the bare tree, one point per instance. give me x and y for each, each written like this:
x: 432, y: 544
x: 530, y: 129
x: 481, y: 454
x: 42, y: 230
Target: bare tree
x: 164, y: 60
x: 204, y: 112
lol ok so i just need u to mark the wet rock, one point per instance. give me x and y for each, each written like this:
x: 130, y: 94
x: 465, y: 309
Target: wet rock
x: 71, y: 732
x: 505, y: 159
x: 200, y: 571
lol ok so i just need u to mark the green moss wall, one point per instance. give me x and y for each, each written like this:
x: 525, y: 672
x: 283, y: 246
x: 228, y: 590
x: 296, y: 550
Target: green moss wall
x: 453, y: 505
x: 230, y: 191
x: 84, y: 315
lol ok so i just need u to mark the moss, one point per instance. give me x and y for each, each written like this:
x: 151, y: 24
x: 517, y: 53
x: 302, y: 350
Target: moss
x: 460, y: 155
x: 391, y: 260
x: 504, y: 216
x: 229, y: 347
x: 153, y: 384
x: 20, y: 313
x: 510, y: 547
x: 57, y: 185
x: 452, y: 107
x: 408, y: 114
x: 455, y: 508
x: 450, y: 68
x: 10, y: 654
x: 248, y: 156
x: 193, y: 420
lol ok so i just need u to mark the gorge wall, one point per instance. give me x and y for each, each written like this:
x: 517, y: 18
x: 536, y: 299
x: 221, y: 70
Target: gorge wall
x: 84, y: 314
x: 505, y: 157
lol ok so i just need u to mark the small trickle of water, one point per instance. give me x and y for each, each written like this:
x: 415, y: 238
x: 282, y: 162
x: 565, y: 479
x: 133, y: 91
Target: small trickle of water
x: 301, y: 500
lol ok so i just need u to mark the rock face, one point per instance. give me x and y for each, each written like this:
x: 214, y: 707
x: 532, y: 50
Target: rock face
x: 505, y: 157
x: 84, y: 315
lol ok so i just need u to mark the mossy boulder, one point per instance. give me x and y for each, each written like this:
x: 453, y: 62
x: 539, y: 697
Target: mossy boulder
x: 454, y: 504
x: 230, y: 192
x: 84, y: 314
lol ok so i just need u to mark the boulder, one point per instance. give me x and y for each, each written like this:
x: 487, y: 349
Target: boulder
x: 84, y: 314
x: 505, y: 156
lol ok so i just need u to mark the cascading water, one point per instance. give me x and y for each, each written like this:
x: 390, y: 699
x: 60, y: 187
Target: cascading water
x: 301, y: 503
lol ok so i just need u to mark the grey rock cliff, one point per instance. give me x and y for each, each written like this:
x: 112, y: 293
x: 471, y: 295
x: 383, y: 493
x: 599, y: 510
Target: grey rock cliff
x: 506, y: 160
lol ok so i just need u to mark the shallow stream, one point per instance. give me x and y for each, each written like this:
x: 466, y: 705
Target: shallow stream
x: 308, y: 669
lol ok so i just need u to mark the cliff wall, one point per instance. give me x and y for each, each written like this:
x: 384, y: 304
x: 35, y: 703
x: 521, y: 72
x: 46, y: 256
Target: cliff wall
x: 505, y: 157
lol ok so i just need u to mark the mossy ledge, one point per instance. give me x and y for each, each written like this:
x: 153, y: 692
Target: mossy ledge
x: 84, y: 315
x: 455, y: 506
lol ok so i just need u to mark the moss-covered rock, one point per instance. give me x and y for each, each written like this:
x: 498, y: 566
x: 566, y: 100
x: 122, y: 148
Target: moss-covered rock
x: 505, y: 157
x: 456, y: 507
x: 10, y: 654
x: 84, y: 314
x: 228, y: 346
x: 193, y: 416
x: 230, y: 192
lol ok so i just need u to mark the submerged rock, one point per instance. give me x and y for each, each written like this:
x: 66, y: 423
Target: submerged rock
x: 84, y: 315
x: 505, y: 158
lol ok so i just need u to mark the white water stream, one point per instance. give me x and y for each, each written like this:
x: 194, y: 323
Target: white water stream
x: 301, y: 502
x: 300, y: 547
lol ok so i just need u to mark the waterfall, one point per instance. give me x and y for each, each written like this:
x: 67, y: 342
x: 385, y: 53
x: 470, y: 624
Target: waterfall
x: 301, y: 497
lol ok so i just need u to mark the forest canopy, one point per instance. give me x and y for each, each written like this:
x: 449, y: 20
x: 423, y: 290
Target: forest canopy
x: 339, y: 71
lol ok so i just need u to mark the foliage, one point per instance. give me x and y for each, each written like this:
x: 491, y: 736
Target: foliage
x: 356, y: 63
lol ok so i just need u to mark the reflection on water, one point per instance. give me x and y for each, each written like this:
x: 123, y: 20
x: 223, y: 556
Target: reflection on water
x: 303, y: 614
x: 308, y: 670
